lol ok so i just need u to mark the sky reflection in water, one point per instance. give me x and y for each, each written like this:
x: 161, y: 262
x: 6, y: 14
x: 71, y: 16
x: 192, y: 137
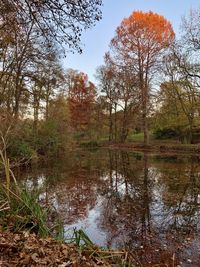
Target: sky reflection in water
x: 149, y: 203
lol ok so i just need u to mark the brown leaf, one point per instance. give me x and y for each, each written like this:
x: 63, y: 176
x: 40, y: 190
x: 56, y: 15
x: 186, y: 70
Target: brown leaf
x: 34, y: 257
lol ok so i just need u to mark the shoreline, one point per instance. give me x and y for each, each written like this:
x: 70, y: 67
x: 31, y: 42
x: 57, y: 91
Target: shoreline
x: 157, y: 148
x: 162, y: 148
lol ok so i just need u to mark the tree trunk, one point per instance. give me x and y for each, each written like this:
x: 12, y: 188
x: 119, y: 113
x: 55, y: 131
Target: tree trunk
x: 36, y: 113
x: 190, y: 141
x: 115, y: 122
x: 124, y: 129
x: 144, y: 115
x: 110, y: 124
x: 47, y: 106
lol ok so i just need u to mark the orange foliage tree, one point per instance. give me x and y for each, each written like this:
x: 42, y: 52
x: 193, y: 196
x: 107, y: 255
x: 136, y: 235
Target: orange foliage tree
x: 139, y: 43
x: 81, y: 98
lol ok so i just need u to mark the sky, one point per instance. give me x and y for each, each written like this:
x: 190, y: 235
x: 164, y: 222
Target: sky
x: 96, y: 40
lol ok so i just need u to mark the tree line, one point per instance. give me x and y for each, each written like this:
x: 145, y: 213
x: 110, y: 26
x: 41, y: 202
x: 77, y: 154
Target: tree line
x: 35, y: 35
x: 149, y: 80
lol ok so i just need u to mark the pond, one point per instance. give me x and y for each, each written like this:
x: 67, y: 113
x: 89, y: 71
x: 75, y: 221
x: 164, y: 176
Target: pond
x: 122, y: 199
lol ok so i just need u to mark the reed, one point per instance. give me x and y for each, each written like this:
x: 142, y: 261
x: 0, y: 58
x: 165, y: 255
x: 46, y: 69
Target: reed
x: 107, y: 257
x: 19, y: 208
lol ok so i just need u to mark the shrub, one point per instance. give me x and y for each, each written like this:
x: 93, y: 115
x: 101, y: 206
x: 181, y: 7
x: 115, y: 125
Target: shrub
x: 166, y: 133
x: 20, y: 148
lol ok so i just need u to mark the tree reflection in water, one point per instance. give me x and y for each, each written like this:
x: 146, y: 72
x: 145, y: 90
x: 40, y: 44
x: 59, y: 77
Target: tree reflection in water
x: 147, y: 203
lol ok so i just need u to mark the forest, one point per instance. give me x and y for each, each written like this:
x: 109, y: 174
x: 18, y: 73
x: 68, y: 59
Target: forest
x: 146, y: 94
x: 147, y: 87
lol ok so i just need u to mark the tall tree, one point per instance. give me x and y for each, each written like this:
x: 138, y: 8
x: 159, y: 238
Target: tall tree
x: 81, y: 98
x: 139, y: 43
x: 105, y: 75
x: 119, y: 85
x: 182, y: 69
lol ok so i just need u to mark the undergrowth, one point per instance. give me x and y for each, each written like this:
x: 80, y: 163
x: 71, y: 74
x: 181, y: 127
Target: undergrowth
x: 20, y: 208
x: 24, y: 212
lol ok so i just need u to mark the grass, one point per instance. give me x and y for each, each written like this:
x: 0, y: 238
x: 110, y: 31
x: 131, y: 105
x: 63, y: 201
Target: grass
x: 118, y: 258
x: 139, y: 137
x: 81, y: 239
x: 24, y: 211
x: 19, y: 207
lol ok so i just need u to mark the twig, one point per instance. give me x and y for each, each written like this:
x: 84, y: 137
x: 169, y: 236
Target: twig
x: 173, y: 259
x: 3, y: 206
x: 6, y: 208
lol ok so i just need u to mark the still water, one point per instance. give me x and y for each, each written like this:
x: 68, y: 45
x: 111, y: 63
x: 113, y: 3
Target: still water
x: 122, y: 199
